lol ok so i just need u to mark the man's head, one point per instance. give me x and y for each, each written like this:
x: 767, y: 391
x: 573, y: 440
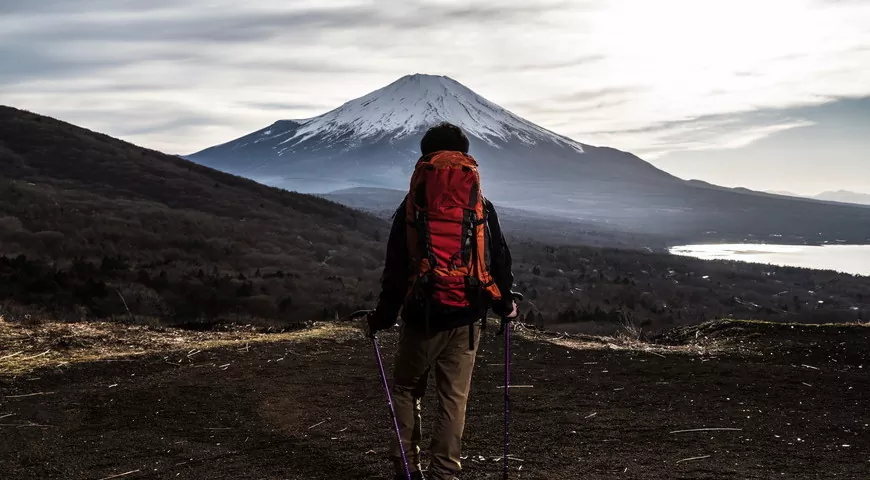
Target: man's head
x: 444, y: 136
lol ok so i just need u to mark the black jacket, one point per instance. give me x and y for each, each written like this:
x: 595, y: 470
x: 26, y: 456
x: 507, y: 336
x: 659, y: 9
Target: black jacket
x: 397, y: 271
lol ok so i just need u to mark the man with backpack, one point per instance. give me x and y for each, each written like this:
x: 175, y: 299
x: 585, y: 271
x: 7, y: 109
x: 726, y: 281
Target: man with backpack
x: 447, y: 263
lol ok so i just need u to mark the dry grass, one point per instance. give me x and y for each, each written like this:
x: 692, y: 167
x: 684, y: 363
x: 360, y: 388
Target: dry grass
x: 24, y: 348
x: 800, y: 325
x: 628, y: 338
x: 27, y: 347
x: 621, y: 342
x: 710, y: 338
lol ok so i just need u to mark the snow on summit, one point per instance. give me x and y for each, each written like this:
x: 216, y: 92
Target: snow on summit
x: 415, y: 102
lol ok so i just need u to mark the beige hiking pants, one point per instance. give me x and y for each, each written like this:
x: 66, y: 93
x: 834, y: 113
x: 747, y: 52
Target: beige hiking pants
x: 449, y: 354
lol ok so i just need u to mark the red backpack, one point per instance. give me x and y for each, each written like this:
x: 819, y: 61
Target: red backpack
x: 446, y: 221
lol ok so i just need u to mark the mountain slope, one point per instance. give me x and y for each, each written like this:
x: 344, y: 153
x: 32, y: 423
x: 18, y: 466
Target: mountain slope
x: 372, y: 142
x: 98, y: 219
x: 519, y: 224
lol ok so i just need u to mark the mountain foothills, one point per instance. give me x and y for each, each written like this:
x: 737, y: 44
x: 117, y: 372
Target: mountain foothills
x: 372, y: 142
x: 841, y: 196
x: 845, y: 196
x: 94, y: 227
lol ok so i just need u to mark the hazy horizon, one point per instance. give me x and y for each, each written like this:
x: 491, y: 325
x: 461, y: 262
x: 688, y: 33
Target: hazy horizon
x: 769, y: 96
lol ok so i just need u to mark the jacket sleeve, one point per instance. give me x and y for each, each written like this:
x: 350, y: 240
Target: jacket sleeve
x: 394, y: 280
x: 500, y: 261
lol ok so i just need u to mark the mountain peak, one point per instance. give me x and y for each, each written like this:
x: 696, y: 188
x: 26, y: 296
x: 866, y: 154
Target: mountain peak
x: 426, y: 80
x: 416, y: 102
x: 424, y: 77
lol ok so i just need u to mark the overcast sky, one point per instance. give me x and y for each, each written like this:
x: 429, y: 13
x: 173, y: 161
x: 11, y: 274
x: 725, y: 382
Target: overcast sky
x: 768, y: 94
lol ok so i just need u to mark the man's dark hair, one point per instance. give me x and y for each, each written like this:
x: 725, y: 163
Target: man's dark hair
x: 444, y: 136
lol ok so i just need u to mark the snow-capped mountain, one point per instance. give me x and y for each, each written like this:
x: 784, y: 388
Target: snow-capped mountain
x: 412, y: 103
x: 372, y: 143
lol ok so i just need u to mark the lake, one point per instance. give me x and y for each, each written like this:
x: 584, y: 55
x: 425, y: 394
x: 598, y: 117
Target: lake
x: 854, y: 259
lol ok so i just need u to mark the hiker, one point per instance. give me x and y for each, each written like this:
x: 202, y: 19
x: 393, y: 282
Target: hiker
x: 447, y: 263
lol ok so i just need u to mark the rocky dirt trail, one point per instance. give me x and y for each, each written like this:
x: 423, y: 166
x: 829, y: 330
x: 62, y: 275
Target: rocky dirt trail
x: 785, y: 402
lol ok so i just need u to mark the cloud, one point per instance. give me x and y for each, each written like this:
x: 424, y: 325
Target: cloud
x: 19, y: 64
x: 555, y: 65
x: 709, y: 132
x: 828, y: 154
x: 650, y: 77
x: 189, y: 25
x: 287, y: 106
x: 30, y: 7
x: 143, y: 21
x: 711, y: 135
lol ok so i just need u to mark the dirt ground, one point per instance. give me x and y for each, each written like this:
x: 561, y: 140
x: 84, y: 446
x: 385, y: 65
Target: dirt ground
x: 791, y: 402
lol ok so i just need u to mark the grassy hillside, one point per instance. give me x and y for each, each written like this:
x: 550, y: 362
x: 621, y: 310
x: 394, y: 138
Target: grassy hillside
x: 88, y: 222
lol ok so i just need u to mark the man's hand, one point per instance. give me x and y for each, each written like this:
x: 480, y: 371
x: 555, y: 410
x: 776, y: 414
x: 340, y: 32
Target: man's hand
x: 374, y: 322
x: 506, y: 310
x: 514, y: 311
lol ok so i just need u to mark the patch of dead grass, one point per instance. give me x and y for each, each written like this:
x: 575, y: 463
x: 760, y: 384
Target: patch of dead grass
x: 24, y: 348
x: 699, y: 343
x: 793, y: 324
x: 631, y: 341
x: 617, y: 343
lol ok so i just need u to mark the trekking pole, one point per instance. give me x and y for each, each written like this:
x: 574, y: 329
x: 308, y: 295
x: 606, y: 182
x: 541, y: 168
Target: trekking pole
x: 386, y: 384
x: 506, y: 330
